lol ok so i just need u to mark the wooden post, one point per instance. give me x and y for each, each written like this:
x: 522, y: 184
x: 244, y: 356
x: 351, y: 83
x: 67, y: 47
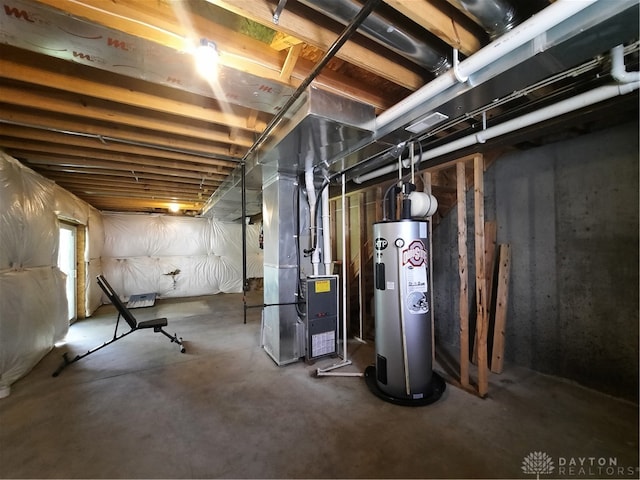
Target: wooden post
x: 426, y: 188
x: 502, y: 297
x: 481, y: 279
x: 490, y: 237
x: 347, y: 259
x: 378, y: 204
x: 461, y: 188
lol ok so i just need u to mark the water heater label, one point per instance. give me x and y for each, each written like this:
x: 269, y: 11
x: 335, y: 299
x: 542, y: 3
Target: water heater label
x: 381, y: 243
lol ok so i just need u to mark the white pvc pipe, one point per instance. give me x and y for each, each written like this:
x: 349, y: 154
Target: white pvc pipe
x: 618, y: 69
x: 326, y: 231
x: 569, y: 105
x: 566, y: 106
x: 375, y: 174
x: 548, y: 18
x: 311, y: 198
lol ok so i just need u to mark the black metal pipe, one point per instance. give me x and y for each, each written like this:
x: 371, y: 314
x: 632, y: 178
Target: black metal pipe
x: 264, y: 305
x: 333, y: 49
x: 245, y: 282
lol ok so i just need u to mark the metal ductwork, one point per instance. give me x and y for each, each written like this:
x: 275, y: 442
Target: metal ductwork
x: 542, y: 46
x: 317, y: 127
x: 497, y: 17
x: 382, y: 31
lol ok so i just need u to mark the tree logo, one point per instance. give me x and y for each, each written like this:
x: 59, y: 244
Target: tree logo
x: 536, y: 463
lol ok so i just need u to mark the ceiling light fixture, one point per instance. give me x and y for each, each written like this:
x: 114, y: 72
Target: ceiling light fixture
x: 206, y: 58
x: 174, y: 207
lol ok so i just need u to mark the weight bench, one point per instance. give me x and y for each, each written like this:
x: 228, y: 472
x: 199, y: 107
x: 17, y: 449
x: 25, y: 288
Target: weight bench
x: 157, y: 324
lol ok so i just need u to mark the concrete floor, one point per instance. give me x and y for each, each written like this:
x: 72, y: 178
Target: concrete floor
x: 140, y: 409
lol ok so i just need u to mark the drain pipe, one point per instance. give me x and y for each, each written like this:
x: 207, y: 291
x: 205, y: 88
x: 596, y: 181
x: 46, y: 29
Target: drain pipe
x: 618, y: 69
x: 326, y: 232
x: 313, y: 230
x: 548, y: 18
x: 566, y: 106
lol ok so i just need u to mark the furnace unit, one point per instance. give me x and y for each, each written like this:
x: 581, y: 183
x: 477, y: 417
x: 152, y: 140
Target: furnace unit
x: 321, y: 316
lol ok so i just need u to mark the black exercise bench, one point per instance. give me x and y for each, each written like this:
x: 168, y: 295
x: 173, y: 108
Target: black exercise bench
x: 157, y: 324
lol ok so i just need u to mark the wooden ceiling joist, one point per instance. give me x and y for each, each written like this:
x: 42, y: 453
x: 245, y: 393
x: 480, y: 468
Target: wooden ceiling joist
x: 73, y: 84
x: 453, y: 31
x: 135, y: 134
x: 314, y: 33
x: 100, y: 110
x: 43, y: 159
x: 15, y: 134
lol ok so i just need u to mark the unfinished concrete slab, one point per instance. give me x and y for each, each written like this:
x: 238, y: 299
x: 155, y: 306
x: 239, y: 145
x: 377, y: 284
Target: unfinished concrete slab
x: 141, y: 409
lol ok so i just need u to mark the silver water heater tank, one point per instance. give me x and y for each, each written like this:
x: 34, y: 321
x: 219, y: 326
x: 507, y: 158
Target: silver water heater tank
x: 403, y: 371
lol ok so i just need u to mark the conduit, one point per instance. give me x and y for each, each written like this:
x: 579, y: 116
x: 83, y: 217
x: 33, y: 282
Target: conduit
x: 566, y: 106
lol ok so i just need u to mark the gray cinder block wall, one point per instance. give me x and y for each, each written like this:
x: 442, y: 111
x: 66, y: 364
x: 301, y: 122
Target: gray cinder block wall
x: 570, y: 212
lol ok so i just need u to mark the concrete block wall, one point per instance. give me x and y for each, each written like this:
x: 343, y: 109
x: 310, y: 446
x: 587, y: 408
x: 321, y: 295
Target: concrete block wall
x: 570, y: 212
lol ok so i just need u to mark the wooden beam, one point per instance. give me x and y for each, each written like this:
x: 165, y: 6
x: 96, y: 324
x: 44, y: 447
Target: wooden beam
x: 378, y: 203
x: 89, y: 126
x: 14, y: 133
x: 252, y: 118
x: 347, y: 249
x: 136, y: 204
x: 34, y: 159
x: 312, y: 32
x: 448, y: 29
x: 490, y: 235
x: 101, y: 110
x: 38, y: 164
x: 175, y: 189
x: 176, y: 25
x: 290, y: 62
x: 160, y: 21
x: 463, y: 272
x: 114, y: 93
x: 282, y: 41
x: 502, y: 298
x: 89, y: 157
x: 481, y: 279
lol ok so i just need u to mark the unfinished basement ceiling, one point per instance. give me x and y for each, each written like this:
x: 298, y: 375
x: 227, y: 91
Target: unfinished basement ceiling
x: 102, y: 96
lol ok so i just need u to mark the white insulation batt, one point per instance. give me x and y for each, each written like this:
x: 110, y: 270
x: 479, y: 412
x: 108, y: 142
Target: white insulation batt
x: 33, y: 305
x: 176, y: 256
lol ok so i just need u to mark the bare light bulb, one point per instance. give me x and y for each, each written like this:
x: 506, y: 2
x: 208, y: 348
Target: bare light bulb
x: 206, y: 58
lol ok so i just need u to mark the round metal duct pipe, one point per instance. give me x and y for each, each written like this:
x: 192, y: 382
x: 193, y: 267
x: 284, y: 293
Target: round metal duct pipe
x: 495, y: 16
x: 385, y: 33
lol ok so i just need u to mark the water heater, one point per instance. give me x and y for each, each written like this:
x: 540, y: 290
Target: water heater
x: 403, y: 371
